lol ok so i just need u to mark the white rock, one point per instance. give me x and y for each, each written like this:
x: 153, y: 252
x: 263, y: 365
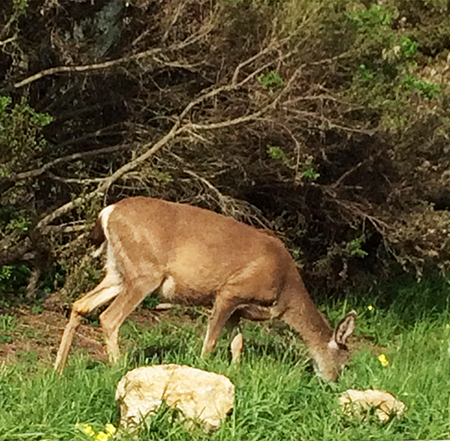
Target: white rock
x: 203, y: 396
x: 358, y: 402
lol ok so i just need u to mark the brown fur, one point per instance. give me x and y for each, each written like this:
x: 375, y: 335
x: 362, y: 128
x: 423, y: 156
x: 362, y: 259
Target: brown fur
x: 198, y: 257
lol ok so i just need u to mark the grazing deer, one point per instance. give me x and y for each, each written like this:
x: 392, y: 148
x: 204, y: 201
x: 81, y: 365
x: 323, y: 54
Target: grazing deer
x: 197, y: 257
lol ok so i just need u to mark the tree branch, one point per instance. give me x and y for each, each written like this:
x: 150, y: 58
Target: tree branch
x: 177, y: 129
x: 119, y: 61
x: 7, y: 182
x: 14, y: 253
x: 8, y: 40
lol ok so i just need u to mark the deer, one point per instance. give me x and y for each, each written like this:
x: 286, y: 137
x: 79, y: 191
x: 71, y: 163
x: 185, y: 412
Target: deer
x: 194, y: 256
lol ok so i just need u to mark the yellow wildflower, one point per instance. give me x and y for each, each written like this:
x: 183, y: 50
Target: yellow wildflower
x: 110, y: 429
x: 370, y: 307
x: 102, y: 436
x: 87, y: 429
x: 383, y: 360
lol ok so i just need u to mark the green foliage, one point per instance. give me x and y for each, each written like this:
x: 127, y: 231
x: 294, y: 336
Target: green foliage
x: 5, y: 272
x: 368, y: 19
x: 371, y: 28
x: 353, y: 248
x: 13, y: 280
x: 20, y: 7
x: 151, y: 301
x: 426, y: 88
x: 296, y: 253
x: 310, y: 173
x: 37, y: 309
x: 5, y: 101
x: 18, y: 220
x: 390, y: 65
x: 6, y: 338
x: 308, y: 170
x: 271, y: 81
x: 365, y: 73
x: 408, y: 46
x: 159, y: 177
x: 276, y: 152
x: 7, y: 328
x: 20, y: 134
x: 7, y: 323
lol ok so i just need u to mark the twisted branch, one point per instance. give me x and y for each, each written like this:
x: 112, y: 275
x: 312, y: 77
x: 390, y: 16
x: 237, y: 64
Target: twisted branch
x: 119, y: 61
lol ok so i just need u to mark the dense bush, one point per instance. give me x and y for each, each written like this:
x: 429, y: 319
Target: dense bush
x: 326, y: 122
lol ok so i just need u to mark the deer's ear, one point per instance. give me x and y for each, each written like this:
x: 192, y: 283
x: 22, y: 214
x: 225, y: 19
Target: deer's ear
x: 345, y: 328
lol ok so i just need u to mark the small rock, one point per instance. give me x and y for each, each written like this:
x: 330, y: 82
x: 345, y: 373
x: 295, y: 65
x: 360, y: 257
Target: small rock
x: 358, y: 402
x: 203, y: 396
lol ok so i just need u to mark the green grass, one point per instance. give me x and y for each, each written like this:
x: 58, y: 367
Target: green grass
x: 278, y: 397
x: 7, y: 328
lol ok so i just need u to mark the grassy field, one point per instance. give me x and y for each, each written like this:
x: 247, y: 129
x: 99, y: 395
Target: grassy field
x: 278, y: 397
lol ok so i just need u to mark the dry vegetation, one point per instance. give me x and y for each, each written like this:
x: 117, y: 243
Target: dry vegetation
x: 326, y: 122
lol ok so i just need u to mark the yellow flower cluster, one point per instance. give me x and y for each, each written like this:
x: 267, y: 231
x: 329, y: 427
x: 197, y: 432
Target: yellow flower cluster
x: 105, y: 435
x: 383, y: 360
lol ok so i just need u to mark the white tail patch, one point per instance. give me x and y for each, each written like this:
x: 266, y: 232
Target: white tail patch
x: 99, y: 251
x: 104, y: 219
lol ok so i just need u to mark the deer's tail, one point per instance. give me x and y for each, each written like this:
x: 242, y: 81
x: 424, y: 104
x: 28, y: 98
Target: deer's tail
x: 97, y: 235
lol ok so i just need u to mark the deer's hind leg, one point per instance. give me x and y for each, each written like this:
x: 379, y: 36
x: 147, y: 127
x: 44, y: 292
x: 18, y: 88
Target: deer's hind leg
x: 251, y: 312
x: 107, y: 289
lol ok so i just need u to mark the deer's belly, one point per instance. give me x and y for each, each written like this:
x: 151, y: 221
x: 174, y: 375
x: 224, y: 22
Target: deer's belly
x: 176, y: 292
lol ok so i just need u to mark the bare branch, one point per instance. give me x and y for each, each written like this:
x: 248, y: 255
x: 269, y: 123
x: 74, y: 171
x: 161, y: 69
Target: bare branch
x: 107, y: 182
x: 7, y: 26
x: 348, y: 173
x: 309, y: 116
x: 30, y: 290
x: 119, y: 61
x: 13, y: 253
x: 248, y: 61
x: 177, y: 129
x: 68, y: 228
x: 357, y: 210
x: 75, y: 180
x: 234, y: 207
x: 251, y: 117
x: 227, y: 123
x: 10, y: 181
x: 8, y: 40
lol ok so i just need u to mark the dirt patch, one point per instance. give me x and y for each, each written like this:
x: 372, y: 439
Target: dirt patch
x: 36, y: 336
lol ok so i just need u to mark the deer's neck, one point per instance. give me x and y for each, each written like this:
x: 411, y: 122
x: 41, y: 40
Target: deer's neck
x: 303, y: 315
